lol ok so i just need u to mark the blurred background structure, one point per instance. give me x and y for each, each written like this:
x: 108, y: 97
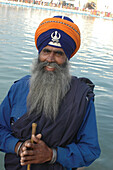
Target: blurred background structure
x: 102, y: 8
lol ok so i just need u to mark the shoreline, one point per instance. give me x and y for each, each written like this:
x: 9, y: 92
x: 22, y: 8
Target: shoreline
x: 96, y: 14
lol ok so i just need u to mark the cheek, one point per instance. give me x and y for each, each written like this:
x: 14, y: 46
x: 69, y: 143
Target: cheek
x: 42, y: 58
x: 60, y: 61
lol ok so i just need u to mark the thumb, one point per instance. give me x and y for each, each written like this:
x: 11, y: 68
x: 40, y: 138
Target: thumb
x: 36, y: 138
x: 39, y: 136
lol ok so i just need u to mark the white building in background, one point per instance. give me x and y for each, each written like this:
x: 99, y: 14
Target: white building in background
x: 82, y: 3
x: 101, y: 5
x: 105, y: 5
x: 56, y: 1
x: 46, y: 1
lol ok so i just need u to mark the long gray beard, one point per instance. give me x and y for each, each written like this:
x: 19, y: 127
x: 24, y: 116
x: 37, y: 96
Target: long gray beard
x: 48, y: 88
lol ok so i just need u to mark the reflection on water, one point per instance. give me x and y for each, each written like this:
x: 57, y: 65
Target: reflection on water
x: 94, y: 60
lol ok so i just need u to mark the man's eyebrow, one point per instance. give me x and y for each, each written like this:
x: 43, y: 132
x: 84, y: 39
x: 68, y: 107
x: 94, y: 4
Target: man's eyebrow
x: 58, y: 52
x: 55, y: 51
x: 46, y: 50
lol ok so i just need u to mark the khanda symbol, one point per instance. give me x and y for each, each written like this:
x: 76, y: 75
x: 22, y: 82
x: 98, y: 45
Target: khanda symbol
x: 55, y: 39
x: 55, y: 36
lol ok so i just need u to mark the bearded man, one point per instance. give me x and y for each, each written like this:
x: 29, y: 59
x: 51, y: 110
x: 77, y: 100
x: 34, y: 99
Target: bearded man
x: 62, y: 106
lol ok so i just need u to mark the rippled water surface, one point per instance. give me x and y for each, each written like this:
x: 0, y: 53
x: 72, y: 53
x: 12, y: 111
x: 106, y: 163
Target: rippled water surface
x: 94, y: 60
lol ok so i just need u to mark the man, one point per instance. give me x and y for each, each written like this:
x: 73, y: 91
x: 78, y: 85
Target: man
x: 62, y: 106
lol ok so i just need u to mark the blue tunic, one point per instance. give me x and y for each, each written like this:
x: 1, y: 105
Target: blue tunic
x: 76, y: 154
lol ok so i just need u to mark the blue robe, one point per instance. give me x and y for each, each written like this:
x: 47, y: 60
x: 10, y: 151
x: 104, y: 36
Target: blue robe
x: 60, y: 133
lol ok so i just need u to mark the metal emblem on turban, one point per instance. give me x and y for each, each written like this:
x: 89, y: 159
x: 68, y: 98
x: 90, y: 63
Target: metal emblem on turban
x: 55, y: 39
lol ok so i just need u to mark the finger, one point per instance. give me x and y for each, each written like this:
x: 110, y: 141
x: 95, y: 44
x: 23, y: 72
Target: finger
x: 28, y: 144
x: 24, y: 148
x: 39, y: 136
x: 35, y: 139
x: 27, y: 152
x: 26, y: 163
x: 27, y: 160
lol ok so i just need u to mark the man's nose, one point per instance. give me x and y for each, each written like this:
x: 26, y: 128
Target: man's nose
x: 51, y: 57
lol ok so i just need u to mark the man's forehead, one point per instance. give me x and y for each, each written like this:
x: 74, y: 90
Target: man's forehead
x: 53, y: 48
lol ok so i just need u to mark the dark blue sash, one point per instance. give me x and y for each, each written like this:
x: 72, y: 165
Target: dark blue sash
x: 60, y: 132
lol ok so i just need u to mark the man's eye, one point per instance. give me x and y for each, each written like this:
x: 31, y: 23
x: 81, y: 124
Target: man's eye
x: 46, y: 51
x: 60, y: 53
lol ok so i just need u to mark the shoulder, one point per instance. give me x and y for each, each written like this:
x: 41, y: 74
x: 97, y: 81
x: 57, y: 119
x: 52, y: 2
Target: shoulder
x: 23, y: 79
x: 83, y: 81
x: 87, y: 81
x: 21, y: 84
x: 83, y: 86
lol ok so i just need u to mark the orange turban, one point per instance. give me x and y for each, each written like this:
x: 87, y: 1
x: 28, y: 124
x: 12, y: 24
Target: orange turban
x: 58, y: 32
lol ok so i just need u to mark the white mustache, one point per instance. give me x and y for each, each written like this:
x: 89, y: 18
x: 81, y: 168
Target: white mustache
x: 53, y: 64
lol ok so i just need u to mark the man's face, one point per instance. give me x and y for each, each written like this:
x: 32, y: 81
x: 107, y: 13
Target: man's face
x: 52, y: 55
x: 50, y: 81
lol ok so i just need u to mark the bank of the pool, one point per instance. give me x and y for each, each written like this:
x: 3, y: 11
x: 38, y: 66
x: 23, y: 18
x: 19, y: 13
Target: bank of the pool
x: 36, y: 6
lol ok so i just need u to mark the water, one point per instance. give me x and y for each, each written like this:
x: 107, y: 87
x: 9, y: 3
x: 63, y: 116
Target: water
x: 94, y: 60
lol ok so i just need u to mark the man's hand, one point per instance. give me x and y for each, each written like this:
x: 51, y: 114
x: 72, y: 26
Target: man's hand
x: 35, y: 153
